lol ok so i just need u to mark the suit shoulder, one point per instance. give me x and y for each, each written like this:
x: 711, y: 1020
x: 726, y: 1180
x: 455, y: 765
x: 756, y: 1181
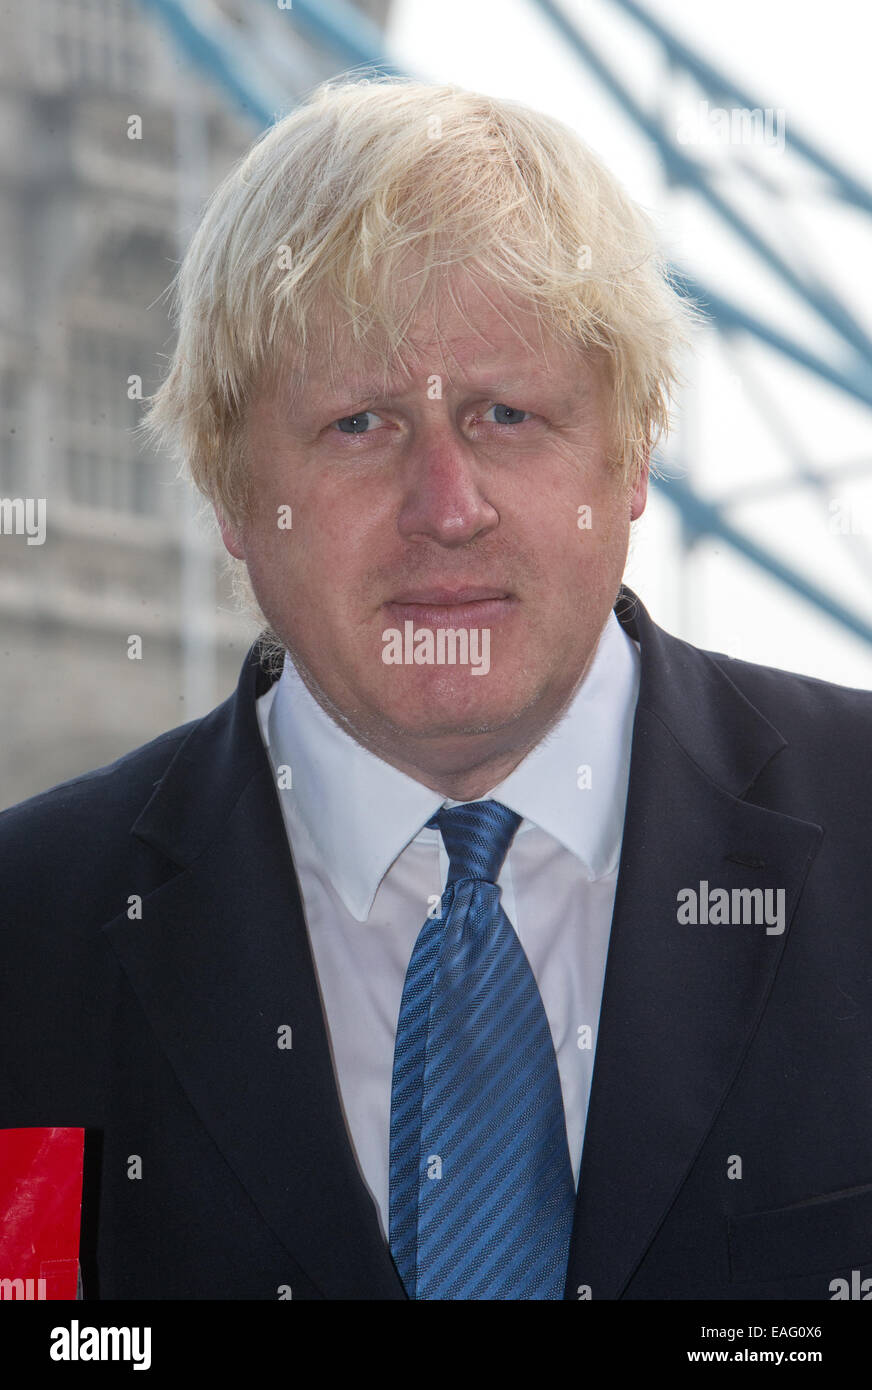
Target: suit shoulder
x: 108, y: 796
x: 788, y: 696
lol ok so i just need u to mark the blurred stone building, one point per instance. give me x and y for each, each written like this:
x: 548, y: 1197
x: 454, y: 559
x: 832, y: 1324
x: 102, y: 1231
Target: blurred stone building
x: 92, y: 224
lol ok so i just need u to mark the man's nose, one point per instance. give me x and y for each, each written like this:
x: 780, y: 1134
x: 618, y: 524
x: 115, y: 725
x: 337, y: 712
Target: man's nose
x: 443, y: 497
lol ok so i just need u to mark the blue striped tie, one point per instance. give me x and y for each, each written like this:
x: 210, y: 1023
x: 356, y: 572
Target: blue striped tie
x: 481, y: 1186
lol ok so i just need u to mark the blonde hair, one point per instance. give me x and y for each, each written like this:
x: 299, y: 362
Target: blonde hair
x: 328, y: 205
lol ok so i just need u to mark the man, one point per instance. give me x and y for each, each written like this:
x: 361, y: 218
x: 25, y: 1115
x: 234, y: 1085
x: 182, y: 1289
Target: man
x: 488, y: 942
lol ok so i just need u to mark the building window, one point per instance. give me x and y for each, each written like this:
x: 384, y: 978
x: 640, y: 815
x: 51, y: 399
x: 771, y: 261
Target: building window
x: 87, y: 43
x: 12, y: 434
x: 108, y: 467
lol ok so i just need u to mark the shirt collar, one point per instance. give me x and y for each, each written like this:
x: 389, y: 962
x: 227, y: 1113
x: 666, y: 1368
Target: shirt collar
x: 573, y: 784
x: 360, y: 812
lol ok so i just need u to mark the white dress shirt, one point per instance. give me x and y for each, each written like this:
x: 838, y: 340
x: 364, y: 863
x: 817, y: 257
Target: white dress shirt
x: 369, y: 870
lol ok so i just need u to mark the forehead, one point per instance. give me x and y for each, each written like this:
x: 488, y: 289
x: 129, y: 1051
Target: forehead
x: 469, y: 332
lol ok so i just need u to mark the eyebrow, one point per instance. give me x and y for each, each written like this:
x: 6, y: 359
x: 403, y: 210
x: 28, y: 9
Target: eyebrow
x: 366, y: 390
x: 353, y: 394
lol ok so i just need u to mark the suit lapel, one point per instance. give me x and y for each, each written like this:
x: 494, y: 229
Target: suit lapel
x: 680, y: 1002
x: 220, y: 962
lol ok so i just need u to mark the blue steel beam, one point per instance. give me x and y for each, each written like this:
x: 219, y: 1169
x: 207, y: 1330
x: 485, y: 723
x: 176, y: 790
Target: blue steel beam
x: 212, y: 47
x: 728, y: 316
x: 850, y: 189
x: 702, y: 518
x: 206, y: 48
x: 687, y: 171
x: 348, y: 33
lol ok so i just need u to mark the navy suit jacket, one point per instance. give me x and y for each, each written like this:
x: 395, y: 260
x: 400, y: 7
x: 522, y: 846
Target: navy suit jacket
x: 728, y: 1149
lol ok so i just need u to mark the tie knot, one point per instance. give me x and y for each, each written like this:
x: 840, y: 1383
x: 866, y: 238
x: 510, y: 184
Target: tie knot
x: 477, y: 837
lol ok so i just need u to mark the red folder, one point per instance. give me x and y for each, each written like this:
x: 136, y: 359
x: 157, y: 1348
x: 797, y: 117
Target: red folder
x: 40, y: 1212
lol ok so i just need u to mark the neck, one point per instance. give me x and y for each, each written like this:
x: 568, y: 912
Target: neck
x: 466, y: 783
x: 463, y: 766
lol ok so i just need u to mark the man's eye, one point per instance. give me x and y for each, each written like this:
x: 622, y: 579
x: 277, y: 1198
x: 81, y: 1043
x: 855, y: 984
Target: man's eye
x: 356, y: 424
x: 506, y: 414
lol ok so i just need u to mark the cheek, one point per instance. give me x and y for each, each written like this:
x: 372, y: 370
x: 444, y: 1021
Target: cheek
x: 598, y: 549
x: 311, y: 573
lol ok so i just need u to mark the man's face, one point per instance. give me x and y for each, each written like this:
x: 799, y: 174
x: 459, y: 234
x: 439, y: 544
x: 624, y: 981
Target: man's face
x: 449, y: 501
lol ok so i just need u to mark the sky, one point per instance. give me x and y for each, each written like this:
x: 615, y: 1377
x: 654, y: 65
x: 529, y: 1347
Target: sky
x: 810, y: 67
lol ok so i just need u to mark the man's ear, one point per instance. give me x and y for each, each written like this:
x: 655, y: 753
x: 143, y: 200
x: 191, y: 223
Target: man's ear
x: 639, y: 495
x: 231, y: 536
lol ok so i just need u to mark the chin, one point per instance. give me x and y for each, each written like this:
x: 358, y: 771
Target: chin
x: 454, y: 703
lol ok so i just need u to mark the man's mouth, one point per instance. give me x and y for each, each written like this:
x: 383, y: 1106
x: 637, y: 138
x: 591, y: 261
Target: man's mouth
x: 442, y: 606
